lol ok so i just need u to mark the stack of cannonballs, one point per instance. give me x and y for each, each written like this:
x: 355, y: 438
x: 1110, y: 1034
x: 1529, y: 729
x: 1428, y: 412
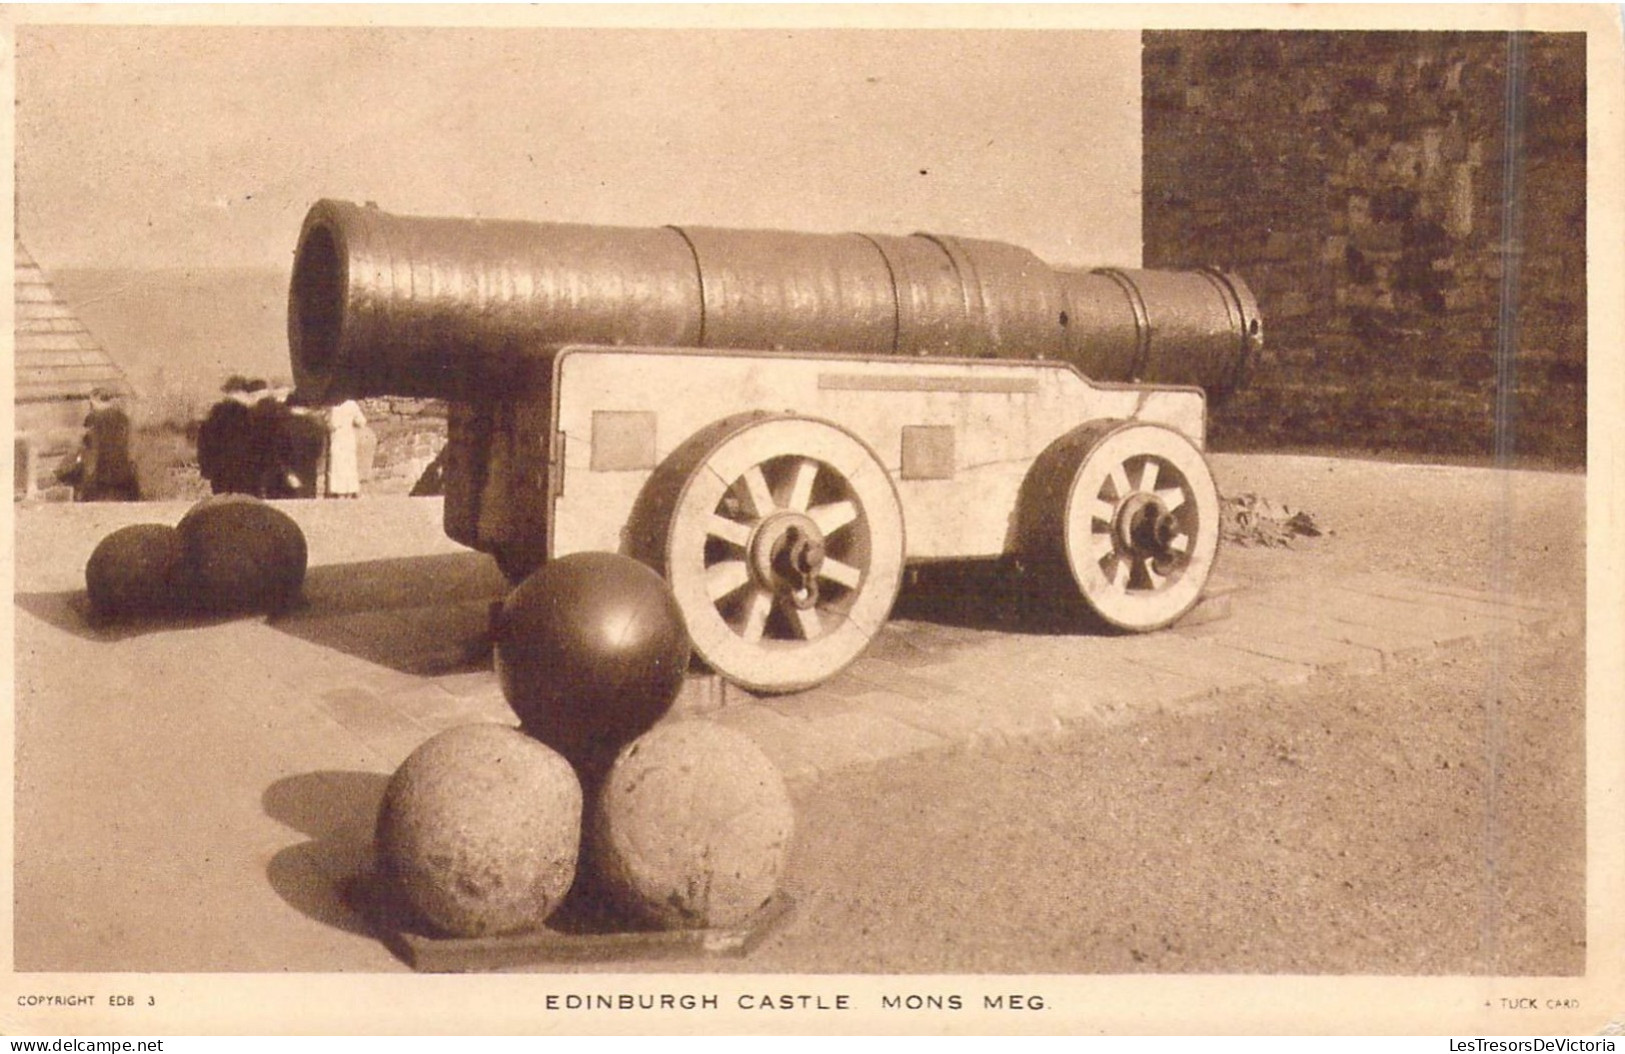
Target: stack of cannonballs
x: 485, y: 830
x: 229, y: 554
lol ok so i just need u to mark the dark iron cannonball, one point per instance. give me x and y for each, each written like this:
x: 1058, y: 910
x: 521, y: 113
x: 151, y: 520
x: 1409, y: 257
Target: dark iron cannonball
x: 591, y: 651
x: 241, y: 554
x: 135, y: 571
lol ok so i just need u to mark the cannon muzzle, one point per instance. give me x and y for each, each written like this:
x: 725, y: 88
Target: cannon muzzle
x: 454, y: 308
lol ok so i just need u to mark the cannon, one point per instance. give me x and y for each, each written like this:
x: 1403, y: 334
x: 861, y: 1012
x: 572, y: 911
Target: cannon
x: 780, y: 423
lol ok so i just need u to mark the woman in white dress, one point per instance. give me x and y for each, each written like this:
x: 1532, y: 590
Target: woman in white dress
x: 344, y: 424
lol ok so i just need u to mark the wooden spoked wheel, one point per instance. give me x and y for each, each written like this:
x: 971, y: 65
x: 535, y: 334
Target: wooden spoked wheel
x: 785, y: 552
x: 1142, y: 525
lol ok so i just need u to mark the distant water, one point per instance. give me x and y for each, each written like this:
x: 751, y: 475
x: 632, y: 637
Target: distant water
x: 184, y: 330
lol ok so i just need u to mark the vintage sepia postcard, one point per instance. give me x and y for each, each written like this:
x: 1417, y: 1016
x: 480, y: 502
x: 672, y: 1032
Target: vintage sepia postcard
x: 815, y: 519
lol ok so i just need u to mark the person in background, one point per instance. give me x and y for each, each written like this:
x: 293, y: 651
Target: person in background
x: 344, y: 424
x: 102, y: 469
x: 301, y: 446
x: 225, y: 454
x: 270, y: 423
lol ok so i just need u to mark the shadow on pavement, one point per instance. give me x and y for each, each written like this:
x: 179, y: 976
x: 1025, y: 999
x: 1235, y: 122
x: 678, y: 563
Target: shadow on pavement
x: 400, y: 582
x: 70, y: 612
x: 993, y: 595
x: 430, y: 615
x: 337, y: 810
x: 424, y: 615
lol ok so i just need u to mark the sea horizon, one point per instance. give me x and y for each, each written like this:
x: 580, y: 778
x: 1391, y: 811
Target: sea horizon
x: 183, y: 330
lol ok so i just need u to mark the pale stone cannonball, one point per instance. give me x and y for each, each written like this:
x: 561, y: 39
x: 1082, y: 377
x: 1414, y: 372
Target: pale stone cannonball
x: 479, y: 830
x: 692, y: 828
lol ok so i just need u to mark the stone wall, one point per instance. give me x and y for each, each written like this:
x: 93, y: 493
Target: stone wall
x: 1409, y: 209
x: 408, y: 435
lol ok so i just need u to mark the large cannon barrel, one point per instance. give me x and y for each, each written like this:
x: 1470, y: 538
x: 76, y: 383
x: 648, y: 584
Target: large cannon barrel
x: 383, y: 304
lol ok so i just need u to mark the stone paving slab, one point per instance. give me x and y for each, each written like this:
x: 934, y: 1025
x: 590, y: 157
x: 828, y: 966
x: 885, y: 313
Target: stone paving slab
x: 1488, y: 612
x: 1284, y: 635
x: 1221, y: 667
x: 1449, y: 614
x: 1392, y: 644
x: 1434, y: 592
x: 387, y: 730
x: 1041, y: 689
x: 859, y: 736
x: 951, y: 715
x: 1439, y: 624
x: 804, y: 751
x: 964, y: 686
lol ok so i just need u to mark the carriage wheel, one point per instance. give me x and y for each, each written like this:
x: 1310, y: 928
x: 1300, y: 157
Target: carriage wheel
x: 1141, y: 524
x: 785, y: 552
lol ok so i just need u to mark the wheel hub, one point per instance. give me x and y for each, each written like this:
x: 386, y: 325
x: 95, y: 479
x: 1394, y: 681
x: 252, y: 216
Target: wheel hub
x: 786, y: 554
x: 1145, y: 527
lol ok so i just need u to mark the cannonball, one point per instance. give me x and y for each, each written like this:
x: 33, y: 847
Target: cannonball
x: 590, y: 652
x: 135, y: 571
x: 691, y: 828
x: 240, y: 554
x: 479, y: 830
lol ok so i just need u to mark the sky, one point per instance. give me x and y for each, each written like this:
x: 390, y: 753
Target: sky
x: 165, y: 146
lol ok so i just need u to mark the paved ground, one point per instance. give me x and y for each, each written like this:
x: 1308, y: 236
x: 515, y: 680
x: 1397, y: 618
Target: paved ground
x: 190, y: 796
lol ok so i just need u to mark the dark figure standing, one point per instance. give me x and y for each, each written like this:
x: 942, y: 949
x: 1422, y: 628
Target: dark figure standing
x: 301, y: 449
x: 226, y: 456
x: 253, y: 442
x: 290, y: 445
x: 267, y: 423
x: 102, y: 469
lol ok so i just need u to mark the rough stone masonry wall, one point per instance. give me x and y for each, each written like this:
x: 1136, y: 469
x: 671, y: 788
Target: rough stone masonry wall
x: 1415, y: 232
x: 408, y: 435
